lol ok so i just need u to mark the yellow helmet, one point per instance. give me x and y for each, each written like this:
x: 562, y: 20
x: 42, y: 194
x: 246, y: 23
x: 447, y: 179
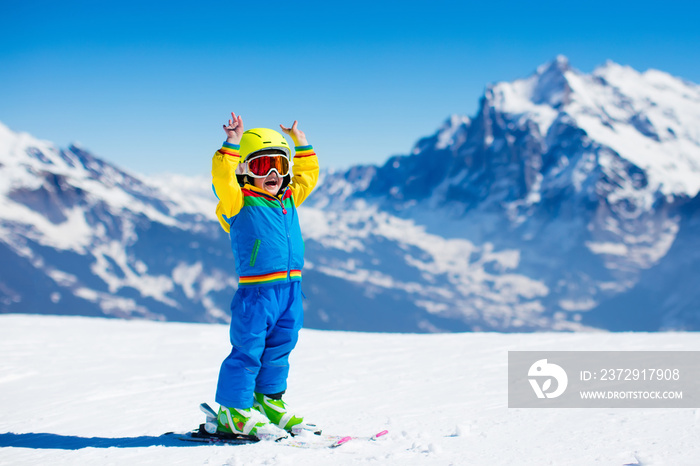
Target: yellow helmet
x: 257, y: 139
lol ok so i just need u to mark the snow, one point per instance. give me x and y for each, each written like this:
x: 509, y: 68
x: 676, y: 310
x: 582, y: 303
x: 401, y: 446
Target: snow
x: 615, y: 249
x: 72, y: 234
x: 112, y: 254
x: 515, y: 98
x: 190, y: 193
x: 650, y: 119
x: 186, y: 276
x: 447, y: 134
x: 25, y: 157
x: 112, y: 305
x: 99, y: 391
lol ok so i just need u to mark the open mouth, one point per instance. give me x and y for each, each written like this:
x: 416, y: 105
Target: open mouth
x: 271, y: 183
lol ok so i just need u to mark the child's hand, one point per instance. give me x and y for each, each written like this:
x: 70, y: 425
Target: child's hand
x: 296, y: 134
x: 234, y: 130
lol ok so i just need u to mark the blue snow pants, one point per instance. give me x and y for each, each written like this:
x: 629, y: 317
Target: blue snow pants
x: 265, y: 324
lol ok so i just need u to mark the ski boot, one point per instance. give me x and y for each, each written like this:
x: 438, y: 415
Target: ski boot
x: 278, y: 413
x: 248, y: 422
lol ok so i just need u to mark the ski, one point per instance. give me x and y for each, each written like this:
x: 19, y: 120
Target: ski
x: 220, y: 438
x: 303, y: 436
x: 334, y: 441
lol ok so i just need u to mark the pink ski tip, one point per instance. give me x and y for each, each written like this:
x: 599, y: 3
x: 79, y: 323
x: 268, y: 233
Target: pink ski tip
x: 342, y: 441
x: 380, y: 434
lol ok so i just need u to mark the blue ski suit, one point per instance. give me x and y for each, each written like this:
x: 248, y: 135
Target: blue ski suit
x: 266, y: 311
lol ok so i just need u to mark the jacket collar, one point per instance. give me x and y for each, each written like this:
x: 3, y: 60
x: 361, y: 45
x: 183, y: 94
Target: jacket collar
x: 255, y: 189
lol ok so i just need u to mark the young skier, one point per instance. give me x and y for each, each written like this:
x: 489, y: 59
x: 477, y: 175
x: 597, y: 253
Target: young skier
x: 258, y: 196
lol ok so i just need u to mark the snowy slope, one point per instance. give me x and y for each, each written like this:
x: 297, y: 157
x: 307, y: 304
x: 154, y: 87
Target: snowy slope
x: 93, y: 391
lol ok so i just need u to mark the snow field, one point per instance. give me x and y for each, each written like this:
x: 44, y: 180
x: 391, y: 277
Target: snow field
x: 104, y: 391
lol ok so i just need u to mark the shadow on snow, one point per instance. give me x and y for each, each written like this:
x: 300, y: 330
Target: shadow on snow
x: 72, y: 442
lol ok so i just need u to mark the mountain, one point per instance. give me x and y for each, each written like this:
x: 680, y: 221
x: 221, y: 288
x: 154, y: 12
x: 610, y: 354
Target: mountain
x: 568, y: 202
x: 80, y: 236
x: 666, y: 295
x: 587, y: 179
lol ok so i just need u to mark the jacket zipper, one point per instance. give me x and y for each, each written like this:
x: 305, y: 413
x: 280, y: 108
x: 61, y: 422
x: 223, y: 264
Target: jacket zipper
x: 289, y: 239
x: 286, y: 229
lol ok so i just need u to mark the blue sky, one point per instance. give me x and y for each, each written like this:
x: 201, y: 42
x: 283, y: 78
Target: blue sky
x: 147, y: 85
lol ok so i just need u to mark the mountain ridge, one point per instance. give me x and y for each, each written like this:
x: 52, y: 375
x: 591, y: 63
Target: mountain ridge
x: 547, y: 210
x: 525, y: 166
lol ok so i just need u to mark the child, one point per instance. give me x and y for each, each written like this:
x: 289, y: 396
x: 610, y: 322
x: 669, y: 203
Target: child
x: 258, y: 196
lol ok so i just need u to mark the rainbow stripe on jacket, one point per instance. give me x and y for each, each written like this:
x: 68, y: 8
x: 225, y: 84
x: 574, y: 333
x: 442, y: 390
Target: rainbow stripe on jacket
x: 230, y: 149
x: 270, y: 278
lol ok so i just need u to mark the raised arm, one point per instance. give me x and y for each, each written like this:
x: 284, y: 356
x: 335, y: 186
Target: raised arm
x: 305, y: 165
x: 223, y: 173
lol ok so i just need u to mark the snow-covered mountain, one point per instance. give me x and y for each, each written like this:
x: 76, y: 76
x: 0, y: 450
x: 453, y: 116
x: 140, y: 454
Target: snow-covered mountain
x: 582, y: 180
x: 568, y: 202
x: 80, y: 236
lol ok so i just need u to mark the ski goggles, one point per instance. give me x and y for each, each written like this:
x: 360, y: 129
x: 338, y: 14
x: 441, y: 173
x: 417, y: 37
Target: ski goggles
x: 262, y: 165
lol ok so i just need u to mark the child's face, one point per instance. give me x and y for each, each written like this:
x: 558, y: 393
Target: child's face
x: 272, y: 183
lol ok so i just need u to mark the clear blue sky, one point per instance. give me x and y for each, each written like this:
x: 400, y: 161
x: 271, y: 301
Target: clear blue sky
x: 147, y: 85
